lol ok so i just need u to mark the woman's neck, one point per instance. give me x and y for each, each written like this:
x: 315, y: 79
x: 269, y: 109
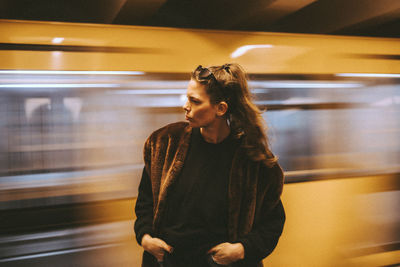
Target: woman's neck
x: 215, y: 133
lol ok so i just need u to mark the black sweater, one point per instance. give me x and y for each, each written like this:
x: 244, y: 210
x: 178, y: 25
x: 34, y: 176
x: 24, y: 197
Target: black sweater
x: 197, y: 210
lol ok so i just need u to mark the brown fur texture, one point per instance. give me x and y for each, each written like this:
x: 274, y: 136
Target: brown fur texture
x: 250, y: 183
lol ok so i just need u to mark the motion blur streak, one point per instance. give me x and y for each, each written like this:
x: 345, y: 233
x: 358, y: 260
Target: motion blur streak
x: 71, y: 140
x: 66, y: 72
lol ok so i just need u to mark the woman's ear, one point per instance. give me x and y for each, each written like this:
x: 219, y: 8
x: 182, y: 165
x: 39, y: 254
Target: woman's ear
x: 222, y: 108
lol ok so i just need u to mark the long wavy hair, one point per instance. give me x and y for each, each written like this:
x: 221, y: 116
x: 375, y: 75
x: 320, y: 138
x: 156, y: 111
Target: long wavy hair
x: 228, y: 83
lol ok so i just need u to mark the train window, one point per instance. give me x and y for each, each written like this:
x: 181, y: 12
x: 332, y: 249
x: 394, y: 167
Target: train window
x: 337, y: 130
x: 32, y: 104
x: 319, y: 126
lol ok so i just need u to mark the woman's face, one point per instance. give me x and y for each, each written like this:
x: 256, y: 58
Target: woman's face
x: 198, y: 109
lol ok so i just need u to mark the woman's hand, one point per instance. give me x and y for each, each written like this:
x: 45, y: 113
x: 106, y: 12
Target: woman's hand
x: 227, y: 253
x: 155, y: 247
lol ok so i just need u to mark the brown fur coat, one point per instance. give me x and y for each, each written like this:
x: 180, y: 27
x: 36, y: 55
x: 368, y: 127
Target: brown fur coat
x: 250, y: 183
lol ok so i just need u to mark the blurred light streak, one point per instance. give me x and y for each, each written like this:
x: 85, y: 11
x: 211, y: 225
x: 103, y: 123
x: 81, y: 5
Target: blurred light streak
x: 369, y: 75
x: 54, y: 253
x: 300, y: 84
x: 57, y: 40
x: 301, y: 100
x: 55, y: 85
x: 244, y: 49
x: 152, y: 84
x: 63, y: 178
x: 387, y: 102
x: 149, y: 92
x: 68, y: 72
x: 59, y: 242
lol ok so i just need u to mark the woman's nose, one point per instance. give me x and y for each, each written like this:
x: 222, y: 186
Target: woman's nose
x: 186, y: 107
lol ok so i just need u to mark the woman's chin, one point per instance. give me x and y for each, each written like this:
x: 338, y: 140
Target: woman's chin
x: 192, y: 124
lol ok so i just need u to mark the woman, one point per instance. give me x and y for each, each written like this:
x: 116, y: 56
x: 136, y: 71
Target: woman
x: 210, y: 190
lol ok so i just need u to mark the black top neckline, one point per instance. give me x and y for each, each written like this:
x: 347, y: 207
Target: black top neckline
x: 197, y: 135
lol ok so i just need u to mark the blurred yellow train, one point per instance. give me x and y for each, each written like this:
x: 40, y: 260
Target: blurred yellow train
x: 78, y: 100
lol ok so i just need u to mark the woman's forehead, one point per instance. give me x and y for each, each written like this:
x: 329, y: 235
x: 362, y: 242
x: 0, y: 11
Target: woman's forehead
x: 196, y: 89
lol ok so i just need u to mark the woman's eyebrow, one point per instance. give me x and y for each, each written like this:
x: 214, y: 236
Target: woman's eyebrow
x: 192, y: 97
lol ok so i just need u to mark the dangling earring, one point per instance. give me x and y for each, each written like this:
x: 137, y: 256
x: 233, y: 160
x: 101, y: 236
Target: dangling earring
x: 229, y: 119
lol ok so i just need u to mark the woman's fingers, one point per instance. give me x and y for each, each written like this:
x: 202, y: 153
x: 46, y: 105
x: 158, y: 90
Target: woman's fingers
x: 214, y: 249
x: 164, y: 246
x: 156, y: 247
x: 227, y: 253
x: 159, y: 256
x: 167, y: 247
x: 216, y: 254
x: 211, y: 251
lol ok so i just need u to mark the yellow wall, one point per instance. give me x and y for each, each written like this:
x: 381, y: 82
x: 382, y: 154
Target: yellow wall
x: 180, y: 50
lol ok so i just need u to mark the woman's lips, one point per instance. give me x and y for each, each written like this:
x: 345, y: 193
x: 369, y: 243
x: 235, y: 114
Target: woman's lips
x: 188, y: 118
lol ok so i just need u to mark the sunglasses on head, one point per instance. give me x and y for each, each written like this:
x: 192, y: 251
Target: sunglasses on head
x: 205, y: 73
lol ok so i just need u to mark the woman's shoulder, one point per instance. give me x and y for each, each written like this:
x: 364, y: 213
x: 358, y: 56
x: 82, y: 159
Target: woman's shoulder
x: 274, y: 170
x: 275, y: 176
x: 174, y: 130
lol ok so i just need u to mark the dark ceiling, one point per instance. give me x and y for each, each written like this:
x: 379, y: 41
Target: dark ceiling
x: 378, y: 18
